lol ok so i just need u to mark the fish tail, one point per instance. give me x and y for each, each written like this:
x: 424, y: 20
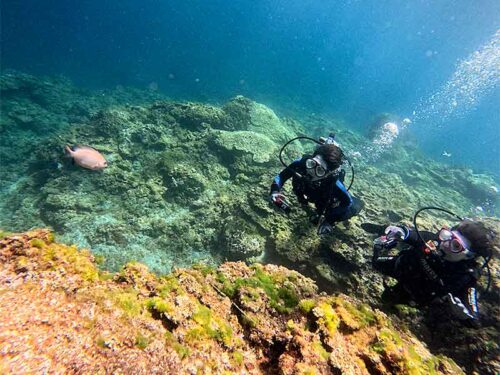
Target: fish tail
x: 68, y: 150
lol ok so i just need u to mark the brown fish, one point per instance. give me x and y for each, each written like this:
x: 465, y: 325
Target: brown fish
x: 86, y: 157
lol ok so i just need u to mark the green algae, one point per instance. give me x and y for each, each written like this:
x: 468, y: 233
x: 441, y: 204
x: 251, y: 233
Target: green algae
x: 390, y: 345
x: 210, y: 327
x: 203, y: 316
x: 127, y: 300
x: 306, y: 305
x: 181, y: 350
x: 238, y: 358
x: 159, y: 305
x: 327, y: 317
x: 99, y: 259
x: 22, y: 263
x: 281, y: 298
x: 141, y: 341
x: 248, y: 322
x: 320, y: 349
x: 55, y: 256
x: 4, y: 234
x: 37, y: 242
x: 355, y: 315
x: 203, y: 268
x: 405, y: 310
x: 169, y: 284
x: 388, y: 341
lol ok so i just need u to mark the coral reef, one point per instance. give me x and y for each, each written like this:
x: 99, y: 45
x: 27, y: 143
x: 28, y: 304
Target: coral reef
x: 60, y: 314
x: 188, y: 182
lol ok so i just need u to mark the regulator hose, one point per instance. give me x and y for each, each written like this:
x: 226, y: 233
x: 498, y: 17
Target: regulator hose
x: 430, y: 208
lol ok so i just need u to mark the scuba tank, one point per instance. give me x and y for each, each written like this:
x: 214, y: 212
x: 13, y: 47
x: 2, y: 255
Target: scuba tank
x: 328, y: 140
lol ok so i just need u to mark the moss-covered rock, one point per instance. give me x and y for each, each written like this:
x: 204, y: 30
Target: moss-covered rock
x: 249, y: 320
x: 238, y: 110
x: 258, y: 146
x: 194, y: 116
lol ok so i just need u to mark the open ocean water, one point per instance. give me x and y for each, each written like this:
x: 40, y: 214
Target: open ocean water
x: 436, y: 63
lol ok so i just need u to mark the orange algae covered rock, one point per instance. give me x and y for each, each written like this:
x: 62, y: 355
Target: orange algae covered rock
x: 60, y: 314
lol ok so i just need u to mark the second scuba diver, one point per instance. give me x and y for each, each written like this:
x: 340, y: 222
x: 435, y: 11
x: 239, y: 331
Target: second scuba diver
x: 318, y: 179
x: 439, y: 269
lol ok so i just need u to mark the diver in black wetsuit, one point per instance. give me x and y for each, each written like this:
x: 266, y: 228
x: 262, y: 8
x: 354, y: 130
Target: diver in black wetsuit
x: 318, y: 179
x: 441, y: 271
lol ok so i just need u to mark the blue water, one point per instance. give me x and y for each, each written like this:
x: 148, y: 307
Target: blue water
x: 354, y: 59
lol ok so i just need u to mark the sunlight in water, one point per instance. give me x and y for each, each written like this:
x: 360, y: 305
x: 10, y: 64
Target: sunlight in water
x: 475, y: 77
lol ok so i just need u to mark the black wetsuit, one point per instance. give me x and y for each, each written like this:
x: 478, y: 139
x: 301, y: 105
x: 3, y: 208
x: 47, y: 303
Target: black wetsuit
x: 329, y: 195
x: 426, y: 276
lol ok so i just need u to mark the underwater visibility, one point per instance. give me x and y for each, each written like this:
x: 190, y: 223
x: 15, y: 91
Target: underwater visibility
x: 235, y: 187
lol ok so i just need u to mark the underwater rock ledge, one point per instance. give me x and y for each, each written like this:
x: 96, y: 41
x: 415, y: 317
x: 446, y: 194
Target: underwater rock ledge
x: 60, y: 314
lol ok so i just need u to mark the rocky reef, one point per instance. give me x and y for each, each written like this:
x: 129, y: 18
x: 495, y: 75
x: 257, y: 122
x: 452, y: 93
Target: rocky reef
x: 187, y: 183
x: 61, y: 314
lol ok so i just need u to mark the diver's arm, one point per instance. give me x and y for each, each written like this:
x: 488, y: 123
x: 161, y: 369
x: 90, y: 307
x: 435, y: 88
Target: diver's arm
x: 464, y: 291
x: 381, y: 260
x: 409, y: 235
x: 345, y: 202
x: 284, y: 175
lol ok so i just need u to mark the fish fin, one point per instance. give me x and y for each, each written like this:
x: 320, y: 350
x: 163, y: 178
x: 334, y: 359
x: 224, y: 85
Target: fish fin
x: 87, y: 147
x: 68, y: 150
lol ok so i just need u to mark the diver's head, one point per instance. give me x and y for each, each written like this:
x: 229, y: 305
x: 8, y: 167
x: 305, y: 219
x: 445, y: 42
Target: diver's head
x: 466, y: 240
x: 331, y: 154
x: 326, y: 159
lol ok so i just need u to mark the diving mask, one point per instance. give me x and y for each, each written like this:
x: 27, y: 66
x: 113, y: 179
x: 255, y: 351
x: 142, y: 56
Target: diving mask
x: 454, y: 246
x: 316, y: 167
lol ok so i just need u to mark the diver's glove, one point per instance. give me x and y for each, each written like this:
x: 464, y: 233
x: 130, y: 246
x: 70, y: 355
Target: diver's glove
x: 325, y: 228
x: 394, y: 232
x: 457, y: 308
x: 279, y: 200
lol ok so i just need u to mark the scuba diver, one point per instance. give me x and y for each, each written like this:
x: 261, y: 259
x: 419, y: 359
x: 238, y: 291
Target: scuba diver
x: 437, y: 269
x: 318, y: 179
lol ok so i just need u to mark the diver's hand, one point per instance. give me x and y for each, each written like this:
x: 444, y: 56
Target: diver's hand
x: 279, y: 200
x: 325, y: 228
x: 457, y: 308
x: 394, y: 233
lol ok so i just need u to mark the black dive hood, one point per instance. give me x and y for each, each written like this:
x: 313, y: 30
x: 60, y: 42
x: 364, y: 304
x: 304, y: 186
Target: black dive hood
x: 319, y: 142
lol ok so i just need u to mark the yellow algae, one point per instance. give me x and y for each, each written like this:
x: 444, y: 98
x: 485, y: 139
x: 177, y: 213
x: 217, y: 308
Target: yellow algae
x: 56, y: 255
x: 327, y: 317
x: 127, y: 300
x: 37, y: 242
x: 306, y: 305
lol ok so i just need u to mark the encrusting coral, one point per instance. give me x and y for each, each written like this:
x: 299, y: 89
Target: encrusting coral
x: 59, y: 313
